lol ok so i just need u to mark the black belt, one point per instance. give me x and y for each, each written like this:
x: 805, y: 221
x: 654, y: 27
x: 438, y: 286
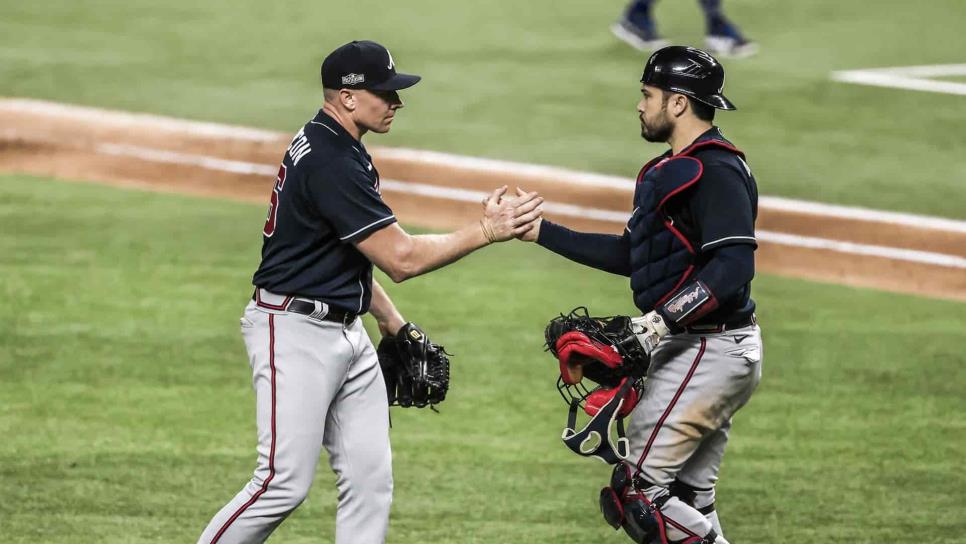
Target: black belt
x: 730, y: 325
x: 307, y: 307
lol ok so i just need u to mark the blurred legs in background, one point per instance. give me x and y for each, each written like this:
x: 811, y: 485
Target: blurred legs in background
x: 637, y: 28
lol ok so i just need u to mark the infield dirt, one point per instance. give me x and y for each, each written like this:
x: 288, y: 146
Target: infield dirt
x: 165, y: 156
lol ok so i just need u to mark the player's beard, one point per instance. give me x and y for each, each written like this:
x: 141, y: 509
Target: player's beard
x: 658, y: 130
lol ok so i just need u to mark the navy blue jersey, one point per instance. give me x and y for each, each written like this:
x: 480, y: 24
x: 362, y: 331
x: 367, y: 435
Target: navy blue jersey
x: 722, y: 208
x: 722, y: 211
x: 326, y: 197
x: 715, y: 214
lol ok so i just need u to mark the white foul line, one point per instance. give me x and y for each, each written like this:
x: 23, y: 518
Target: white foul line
x: 517, y: 170
x: 520, y: 171
x: 898, y: 254
x: 914, y: 78
x: 123, y: 119
x: 173, y: 157
x: 569, y: 210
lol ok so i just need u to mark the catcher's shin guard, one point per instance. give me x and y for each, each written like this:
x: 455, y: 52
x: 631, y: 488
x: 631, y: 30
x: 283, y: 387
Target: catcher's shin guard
x: 625, y: 507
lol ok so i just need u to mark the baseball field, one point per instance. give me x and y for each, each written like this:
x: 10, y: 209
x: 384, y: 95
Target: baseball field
x: 125, y: 393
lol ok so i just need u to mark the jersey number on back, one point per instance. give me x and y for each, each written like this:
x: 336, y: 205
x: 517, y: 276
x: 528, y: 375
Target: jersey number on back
x: 269, y: 229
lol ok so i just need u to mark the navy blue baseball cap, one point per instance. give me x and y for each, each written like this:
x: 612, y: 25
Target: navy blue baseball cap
x: 364, y: 65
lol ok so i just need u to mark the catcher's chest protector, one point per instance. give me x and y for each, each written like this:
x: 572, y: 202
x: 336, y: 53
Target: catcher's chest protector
x: 662, y: 255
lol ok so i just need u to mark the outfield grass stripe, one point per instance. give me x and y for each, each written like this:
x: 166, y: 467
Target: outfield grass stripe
x: 518, y: 170
x: 569, y: 210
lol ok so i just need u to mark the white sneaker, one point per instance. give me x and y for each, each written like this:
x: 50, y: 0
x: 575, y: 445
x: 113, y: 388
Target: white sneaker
x: 634, y: 37
x: 728, y: 46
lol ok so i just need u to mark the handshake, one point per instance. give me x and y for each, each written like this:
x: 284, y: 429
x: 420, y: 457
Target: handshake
x: 506, y: 217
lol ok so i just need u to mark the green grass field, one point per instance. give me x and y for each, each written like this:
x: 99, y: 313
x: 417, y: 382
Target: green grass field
x: 127, y: 407
x: 125, y: 396
x: 539, y: 81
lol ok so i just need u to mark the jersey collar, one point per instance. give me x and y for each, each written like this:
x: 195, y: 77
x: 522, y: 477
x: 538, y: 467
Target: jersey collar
x: 334, y: 127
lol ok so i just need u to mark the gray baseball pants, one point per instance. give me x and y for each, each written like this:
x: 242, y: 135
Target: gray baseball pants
x: 317, y: 383
x: 695, y: 384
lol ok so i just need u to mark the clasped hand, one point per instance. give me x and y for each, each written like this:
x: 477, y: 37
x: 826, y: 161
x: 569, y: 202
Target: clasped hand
x: 512, y: 217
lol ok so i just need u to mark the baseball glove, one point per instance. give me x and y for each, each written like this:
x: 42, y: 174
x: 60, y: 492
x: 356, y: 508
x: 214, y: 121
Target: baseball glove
x: 603, y: 349
x: 416, y: 370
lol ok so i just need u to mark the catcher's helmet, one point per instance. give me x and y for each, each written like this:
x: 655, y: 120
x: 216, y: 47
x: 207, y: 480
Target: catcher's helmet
x: 604, y: 350
x: 688, y: 71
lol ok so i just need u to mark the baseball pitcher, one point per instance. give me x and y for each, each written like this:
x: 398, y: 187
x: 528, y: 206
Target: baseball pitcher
x: 318, y: 380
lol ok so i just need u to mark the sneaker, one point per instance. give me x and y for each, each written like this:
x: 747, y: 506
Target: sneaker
x: 725, y: 40
x: 726, y: 46
x: 640, y: 38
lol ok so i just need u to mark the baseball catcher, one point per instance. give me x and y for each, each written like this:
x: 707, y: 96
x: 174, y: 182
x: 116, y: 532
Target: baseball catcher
x: 416, y: 370
x: 688, y: 250
x: 606, y: 351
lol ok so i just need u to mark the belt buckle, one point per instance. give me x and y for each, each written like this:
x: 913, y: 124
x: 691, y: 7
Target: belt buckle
x: 321, y: 310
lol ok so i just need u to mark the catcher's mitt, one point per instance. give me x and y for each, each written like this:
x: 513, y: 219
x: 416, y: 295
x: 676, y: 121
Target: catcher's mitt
x: 416, y: 370
x: 604, y: 349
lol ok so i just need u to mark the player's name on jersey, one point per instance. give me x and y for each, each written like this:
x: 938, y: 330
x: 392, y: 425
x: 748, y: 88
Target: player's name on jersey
x: 299, y: 147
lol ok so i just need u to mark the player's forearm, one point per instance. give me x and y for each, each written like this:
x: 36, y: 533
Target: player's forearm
x: 387, y: 316
x: 606, y: 252
x: 424, y: 253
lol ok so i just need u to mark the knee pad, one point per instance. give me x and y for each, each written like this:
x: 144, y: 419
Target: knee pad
x: 701, y: 499
x: 624, y: 506
x: 683, y: 491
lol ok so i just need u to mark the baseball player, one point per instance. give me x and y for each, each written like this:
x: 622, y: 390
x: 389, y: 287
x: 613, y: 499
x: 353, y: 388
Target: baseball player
x: 688, y: 249
x: 637, y: 28
x: 315, y: 372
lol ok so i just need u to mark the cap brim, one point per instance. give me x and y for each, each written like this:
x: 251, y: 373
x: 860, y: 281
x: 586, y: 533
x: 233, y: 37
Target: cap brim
x: 718, y: 101
x: 396, y: 82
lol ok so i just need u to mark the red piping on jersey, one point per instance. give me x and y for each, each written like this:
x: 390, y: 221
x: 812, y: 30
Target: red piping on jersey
x: 271, y: 455
x: 670, y: 406
x: 679, y: 236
